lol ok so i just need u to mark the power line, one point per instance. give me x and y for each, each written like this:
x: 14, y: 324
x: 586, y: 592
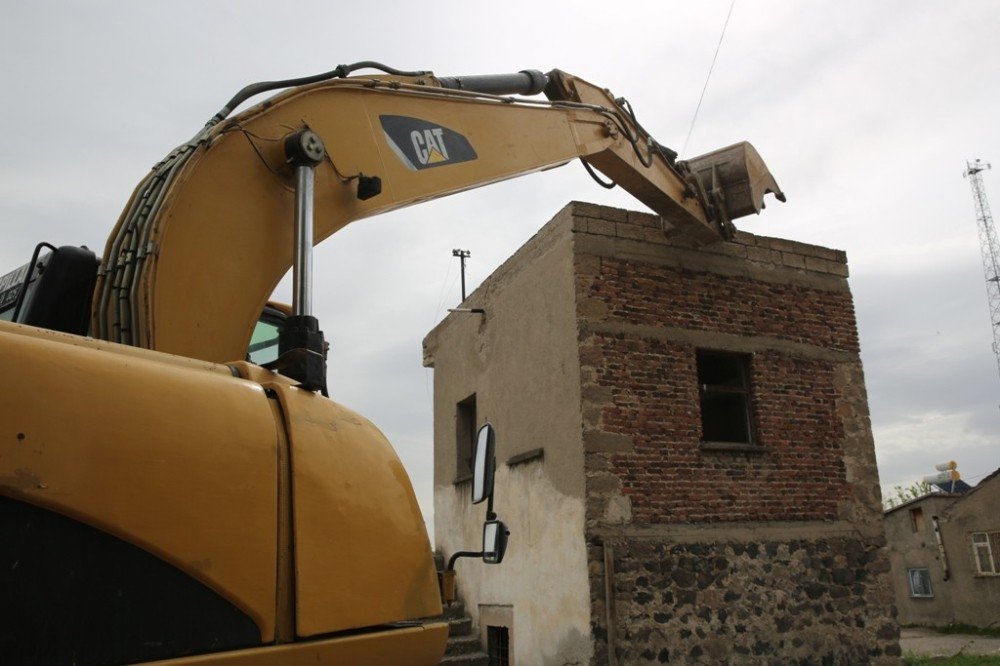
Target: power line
x: 707, y: 78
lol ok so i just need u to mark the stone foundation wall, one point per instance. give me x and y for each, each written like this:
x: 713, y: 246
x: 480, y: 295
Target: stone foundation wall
x: 819, y: 601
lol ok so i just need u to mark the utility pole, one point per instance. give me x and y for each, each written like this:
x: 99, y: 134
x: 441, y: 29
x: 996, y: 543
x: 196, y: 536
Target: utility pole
x: 989, y: 247
x: 462, y: 255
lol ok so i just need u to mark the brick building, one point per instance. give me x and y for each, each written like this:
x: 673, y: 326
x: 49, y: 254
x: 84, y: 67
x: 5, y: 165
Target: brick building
x: 684, y: 452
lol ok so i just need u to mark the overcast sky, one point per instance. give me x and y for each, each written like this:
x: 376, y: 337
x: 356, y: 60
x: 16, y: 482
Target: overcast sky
x: 864, y: 111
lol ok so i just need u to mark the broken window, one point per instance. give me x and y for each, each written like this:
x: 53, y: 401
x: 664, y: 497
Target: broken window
x: 986, y: 549
x: 917, y: 519
x: 724, y: 388
x: 465, y: 433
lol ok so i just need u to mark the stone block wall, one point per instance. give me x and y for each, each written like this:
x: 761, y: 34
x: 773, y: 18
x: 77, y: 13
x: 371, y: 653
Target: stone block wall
x: 764, y: 602
x: 771, y: 552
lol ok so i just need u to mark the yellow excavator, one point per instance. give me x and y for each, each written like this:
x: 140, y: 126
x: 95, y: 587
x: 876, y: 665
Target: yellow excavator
x: 175, y: 483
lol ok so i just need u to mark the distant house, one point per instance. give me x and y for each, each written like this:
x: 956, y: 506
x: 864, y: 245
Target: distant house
x: 945, y: 555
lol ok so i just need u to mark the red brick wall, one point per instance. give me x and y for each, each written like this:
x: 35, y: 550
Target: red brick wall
x: 798, y: 471
x: 646, y: 294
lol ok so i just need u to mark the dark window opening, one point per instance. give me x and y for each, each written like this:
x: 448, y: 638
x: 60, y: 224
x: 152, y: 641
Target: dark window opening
x: 917, y: 519
x: 465, y: 433
x: 724, y: 389
x: 498, y: 645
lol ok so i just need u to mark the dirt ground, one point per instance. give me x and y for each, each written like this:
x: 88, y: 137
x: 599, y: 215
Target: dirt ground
x: 926, y: 642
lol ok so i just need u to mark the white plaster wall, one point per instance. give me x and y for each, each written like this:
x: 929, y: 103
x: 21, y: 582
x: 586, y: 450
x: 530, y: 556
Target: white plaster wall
x: 544, y: 574
x: 521, y: 361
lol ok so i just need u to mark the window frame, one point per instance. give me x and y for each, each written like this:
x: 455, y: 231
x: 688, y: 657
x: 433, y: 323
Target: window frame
x: 910, y: 571
x: 745, y: 389
x: 989, y: 538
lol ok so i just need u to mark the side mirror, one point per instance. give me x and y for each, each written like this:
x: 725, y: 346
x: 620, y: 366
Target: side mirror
x: 483, y: 464
x: 495, y: 535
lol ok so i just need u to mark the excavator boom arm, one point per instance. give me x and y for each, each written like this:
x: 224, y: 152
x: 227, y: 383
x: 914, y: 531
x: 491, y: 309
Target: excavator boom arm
x: 208, y: 234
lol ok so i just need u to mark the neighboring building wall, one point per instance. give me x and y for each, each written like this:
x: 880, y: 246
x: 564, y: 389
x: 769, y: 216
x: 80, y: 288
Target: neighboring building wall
x: 520, y: 361
x: 912, y: 545
x: 960, y: 594
x: 727, y: 552
x: 976, y: 597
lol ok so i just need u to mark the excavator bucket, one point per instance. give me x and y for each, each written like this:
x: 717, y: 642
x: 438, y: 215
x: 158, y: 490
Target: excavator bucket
x: 737, y: 176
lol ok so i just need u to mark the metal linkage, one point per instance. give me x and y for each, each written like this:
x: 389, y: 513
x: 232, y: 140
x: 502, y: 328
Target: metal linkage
x: 304, y: 150
x: 301, y: 347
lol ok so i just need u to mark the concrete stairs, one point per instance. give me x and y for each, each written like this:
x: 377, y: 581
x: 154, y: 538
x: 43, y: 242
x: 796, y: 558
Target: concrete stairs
x: 463, y: 645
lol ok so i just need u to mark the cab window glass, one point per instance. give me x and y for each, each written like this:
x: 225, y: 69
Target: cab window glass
x: 264, y: 341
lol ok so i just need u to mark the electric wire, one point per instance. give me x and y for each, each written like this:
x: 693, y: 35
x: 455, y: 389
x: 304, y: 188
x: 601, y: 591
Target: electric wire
x: 973, y: 478
x: 444, y: 286
x: 708, y: 78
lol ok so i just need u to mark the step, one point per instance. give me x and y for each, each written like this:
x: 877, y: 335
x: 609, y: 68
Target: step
x: 474, y: 659
x: 463, y: 645
x: 459, y: 626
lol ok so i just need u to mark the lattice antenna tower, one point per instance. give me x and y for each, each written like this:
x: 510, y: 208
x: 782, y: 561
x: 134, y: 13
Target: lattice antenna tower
x: 989, y: 247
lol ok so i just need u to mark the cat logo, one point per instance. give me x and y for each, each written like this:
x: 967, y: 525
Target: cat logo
x: 420, y: 144
x: 429, y: 145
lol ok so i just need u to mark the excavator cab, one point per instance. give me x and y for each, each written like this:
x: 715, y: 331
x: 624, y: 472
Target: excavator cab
x: 53, y: 290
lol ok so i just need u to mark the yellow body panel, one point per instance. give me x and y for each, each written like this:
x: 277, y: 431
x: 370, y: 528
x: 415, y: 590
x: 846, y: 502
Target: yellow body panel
x: 411, y: 646
x: 180, y: 461
x: 362, y: 556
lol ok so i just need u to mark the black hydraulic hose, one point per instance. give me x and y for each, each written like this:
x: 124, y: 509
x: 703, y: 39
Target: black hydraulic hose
x: 339, y: 72
x: 608, y: 185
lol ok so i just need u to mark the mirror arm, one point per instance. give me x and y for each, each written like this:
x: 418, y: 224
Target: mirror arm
x: 490, y: 514
x: 461, y: 553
